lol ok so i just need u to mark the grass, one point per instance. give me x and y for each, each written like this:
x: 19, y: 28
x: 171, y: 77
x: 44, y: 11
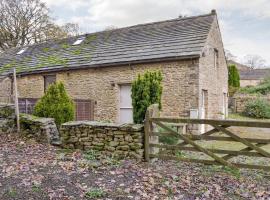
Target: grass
x: 36, y: 188
x: 12, y: 193
x: 238, y: 116
x: 94, y: 193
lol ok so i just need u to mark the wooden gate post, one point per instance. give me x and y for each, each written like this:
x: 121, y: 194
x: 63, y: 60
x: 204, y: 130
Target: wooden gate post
x: 152, y: 111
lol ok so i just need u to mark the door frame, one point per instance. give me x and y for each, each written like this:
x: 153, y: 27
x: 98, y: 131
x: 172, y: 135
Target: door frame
x: 119, y: 99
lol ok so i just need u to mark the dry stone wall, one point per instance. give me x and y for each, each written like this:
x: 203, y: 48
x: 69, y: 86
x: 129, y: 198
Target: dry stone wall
x: 240, y: 101
x: 42, y: 130
x: 110, y: 139
x: 7, y: 118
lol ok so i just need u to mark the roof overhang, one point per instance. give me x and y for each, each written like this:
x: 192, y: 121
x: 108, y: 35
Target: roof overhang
x: 61, y: 68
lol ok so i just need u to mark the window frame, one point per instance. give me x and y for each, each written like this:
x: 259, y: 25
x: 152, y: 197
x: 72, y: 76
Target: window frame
x: 216, y: 58
x: 45, y: 77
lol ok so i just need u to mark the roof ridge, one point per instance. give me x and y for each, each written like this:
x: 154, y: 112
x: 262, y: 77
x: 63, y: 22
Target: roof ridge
x: 117, y: 29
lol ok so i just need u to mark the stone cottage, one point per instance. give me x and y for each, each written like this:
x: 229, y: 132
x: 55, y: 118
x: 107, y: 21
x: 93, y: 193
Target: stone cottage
x: 98, y: 68
x: 249, y: 76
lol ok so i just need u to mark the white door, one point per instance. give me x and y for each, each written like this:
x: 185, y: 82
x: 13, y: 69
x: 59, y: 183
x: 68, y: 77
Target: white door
x: 203, y: 109
x: 224, y: 106
x: 126, y: 115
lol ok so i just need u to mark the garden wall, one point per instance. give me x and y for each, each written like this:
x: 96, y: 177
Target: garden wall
x: 42, y: 130
x: 240, y: 101
x: 111, y: 139
x: 7, y: 118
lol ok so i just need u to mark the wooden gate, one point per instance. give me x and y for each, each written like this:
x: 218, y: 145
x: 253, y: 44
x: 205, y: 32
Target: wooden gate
x: 157, y: 126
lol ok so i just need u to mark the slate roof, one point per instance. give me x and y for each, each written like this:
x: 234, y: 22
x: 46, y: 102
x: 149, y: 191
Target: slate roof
x: 171, y: 39
x: 246, y: 73
x: 254, y: 74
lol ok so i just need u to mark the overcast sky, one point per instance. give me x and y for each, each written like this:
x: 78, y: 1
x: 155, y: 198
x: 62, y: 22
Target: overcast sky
x: 245, y: 24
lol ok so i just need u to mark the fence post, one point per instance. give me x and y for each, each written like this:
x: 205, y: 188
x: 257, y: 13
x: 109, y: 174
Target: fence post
x: 146, y: 135
x: 16, y: 100
x: 152, y: 111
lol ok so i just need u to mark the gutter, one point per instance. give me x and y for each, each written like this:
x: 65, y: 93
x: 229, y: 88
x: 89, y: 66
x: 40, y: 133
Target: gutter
x: 129, y: 63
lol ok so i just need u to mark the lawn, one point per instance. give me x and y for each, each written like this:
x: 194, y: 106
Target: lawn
x: 29, y: 170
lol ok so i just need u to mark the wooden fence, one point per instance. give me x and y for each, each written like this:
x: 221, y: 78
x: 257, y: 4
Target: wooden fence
x: 156, y: 126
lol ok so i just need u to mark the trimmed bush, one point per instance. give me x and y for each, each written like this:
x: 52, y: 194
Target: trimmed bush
x: 146, y: 90
x: 258, y: 108
x: 56, y: 104
x: 233, y: 80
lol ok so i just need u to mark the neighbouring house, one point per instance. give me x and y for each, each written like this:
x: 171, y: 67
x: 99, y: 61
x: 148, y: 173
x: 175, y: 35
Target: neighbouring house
x: 98, y: 68
x: 248, y: 76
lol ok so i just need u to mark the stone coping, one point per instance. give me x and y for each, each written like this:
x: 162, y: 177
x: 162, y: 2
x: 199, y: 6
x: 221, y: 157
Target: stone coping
x: 135, y: 127
x: 36, y: 119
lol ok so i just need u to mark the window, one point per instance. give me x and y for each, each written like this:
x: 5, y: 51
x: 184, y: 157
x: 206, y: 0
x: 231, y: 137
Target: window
x: 49, y: 79
x: 215, y: 58
x: 79, y: 41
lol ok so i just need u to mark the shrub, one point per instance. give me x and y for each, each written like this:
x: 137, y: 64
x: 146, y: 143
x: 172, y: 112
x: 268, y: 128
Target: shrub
x: 263, y: 88
x: 258, y: 108
x: 56, y: 104
x: 234, y: 79
x: 146, y: 90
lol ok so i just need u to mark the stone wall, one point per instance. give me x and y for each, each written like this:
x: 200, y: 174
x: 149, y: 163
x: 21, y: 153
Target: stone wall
x: 111, y: 139
x: 102, y: 85
x: 240, y: 101
x: 42, y: 130
x: 245, y: 83
x: 7, y: 118
x: 6, y: 90
x: 214, y: 79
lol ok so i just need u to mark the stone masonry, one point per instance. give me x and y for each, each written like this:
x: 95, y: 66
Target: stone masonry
x: 183, y: 83
x: 110, y: 139
x: 240, y: 101
x: 42, y: 130
x: 7, y: 118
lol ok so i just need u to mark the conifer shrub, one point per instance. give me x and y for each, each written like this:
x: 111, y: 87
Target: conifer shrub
x: 233, y: 80
x: 56, y: 104
x: 146, y: 90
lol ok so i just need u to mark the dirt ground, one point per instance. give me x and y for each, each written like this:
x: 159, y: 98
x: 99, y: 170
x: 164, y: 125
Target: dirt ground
x: 32, y: 171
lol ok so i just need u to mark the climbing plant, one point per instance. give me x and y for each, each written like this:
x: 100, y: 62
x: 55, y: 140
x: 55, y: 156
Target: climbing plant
x: 146, y: 90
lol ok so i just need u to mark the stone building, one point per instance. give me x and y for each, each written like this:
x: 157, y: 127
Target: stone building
x: 249, y: 76
x: 97, y: 69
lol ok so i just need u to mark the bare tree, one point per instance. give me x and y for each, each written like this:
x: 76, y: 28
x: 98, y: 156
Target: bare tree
x: 254, y: 61
x: 25, y: 22
x: 229, y: 55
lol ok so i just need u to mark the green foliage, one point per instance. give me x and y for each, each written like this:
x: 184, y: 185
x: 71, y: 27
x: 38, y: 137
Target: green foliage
x: 258, y: 108
x: 146, y: 90
x: 95, y: 193
x: 263, y: 89
x: 56, y: 104
x: 234, y: 79
x: 91, y: 155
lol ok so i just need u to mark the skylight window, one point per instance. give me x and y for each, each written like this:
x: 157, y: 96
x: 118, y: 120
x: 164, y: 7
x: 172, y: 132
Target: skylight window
x: 79, y: 41
x: 21, y: 51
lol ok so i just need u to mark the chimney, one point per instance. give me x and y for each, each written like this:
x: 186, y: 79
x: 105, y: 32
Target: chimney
x: 214, y: 12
